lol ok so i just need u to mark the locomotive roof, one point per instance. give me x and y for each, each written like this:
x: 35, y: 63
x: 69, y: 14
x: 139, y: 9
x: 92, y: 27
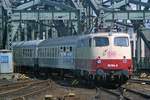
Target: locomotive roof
x: 107, y: 34
x: 25, y: 44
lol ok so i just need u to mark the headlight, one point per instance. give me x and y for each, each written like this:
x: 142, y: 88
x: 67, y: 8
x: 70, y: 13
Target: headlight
x: 124, y: 59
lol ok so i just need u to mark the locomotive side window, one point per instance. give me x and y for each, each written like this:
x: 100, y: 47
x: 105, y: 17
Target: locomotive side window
x: 121, y: 41
x: 101, y: 41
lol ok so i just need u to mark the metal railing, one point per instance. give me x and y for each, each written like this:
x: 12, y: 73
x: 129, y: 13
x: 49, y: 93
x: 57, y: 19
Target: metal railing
x: 143, y: 65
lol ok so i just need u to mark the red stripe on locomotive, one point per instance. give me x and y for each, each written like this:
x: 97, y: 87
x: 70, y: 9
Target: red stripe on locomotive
x: 106, y: 64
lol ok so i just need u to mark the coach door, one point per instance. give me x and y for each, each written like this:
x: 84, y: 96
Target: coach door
x: 60, y: 57
x: 66, y: 57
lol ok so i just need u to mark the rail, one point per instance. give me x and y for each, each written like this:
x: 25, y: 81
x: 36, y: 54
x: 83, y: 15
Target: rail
x: 131, y: 93
x: 26, y: 90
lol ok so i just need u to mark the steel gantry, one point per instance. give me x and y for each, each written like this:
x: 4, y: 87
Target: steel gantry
x: 56, y: 18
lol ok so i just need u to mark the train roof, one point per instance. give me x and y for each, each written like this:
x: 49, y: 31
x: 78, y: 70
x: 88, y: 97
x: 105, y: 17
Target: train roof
x: 25, y: 44
x: 69, y: 40
x: 5, y: 50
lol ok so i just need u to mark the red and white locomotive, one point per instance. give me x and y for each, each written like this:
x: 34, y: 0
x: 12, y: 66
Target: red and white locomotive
x: 99, y: 56
x: 107, y: 57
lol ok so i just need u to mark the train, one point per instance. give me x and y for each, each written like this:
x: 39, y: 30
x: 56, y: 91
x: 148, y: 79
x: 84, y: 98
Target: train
x: 97, y: 57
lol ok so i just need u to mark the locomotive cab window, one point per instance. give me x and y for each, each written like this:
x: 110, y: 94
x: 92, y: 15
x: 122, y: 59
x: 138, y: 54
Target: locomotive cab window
x: 121, y: 41
x: 101, y: 41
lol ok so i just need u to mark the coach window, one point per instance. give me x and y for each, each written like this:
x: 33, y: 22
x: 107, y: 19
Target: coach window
x: 54, y: 52
x: 48, y: 52
x: 64, y: 49
x: 42, y: 52
x: 39, y: 52
x: 51, y: 52
x: 101, y: 41
x: 70, y: 49
x: 45, y: 52
x: 90, y: 42
x: 28, y: 52
x: 31, y: 52
x: 24, y: 52
x: 57, y: 51
x: 61, y: 51
x: 121, y: 41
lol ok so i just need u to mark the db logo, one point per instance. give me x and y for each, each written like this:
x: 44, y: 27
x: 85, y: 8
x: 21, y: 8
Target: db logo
x: 98, y: 60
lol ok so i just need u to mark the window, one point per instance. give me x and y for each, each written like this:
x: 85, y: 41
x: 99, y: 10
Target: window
x: 101, y: 41
x: 121, y: 41
x: 64, y: 49
x: 48, y: 50
x: 85, y: 42
x: 54, y: 52
x: 90, y: 42
x: 70, y: 48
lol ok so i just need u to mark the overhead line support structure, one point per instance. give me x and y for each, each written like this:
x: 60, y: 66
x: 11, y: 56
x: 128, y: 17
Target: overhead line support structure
x: 19, y: 16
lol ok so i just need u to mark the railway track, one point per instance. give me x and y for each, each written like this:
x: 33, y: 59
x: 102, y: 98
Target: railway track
x: 133, y: 94
x: 8, y: 86
x: 140, y: 81
x: 106, y: 94
x: 121, y: 94
x: 26, y: 90
x: 3, y: 82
